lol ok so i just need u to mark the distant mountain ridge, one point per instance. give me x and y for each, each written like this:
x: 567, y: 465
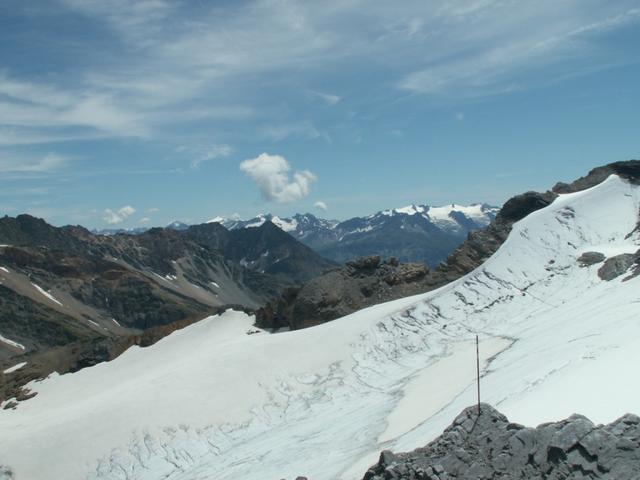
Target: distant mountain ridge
x: 415, y: 233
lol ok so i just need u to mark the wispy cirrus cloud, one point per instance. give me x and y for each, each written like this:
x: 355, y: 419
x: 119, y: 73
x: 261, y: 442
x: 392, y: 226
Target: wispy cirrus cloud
x: 498, y: 57
x: 329, y: 98
x: 14, y: 163
x: 303, y: 129
x: 181, y: 62
x: 39, y: 109
x: 200, y: 154
x: 137, y: 21
x: 246, y: 71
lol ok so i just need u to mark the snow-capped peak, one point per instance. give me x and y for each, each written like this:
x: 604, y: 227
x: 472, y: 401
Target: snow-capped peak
x: 473, y: 211
x: 177, y: 225
x: 410, y: 209
x: 285, y: 224
x: 478, y: 212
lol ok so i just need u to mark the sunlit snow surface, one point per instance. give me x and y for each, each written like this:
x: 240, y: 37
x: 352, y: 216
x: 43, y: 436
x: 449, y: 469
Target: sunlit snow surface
x: 211, y: 401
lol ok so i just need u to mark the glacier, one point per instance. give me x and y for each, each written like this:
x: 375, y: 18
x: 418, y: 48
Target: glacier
x: 213, y: 401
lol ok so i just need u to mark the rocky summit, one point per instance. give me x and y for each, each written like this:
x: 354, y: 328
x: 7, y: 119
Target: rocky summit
x: 487, y: 446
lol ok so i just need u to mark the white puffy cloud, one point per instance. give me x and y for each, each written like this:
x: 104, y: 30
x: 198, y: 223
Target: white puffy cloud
x: 321, y: 205
x: 115, y: 217
x: 272, y: 175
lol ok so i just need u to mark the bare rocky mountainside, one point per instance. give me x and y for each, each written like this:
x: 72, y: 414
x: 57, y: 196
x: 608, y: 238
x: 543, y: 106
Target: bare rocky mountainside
x: 369, y: 281
x: 69, y: 298
x: 487, y: 446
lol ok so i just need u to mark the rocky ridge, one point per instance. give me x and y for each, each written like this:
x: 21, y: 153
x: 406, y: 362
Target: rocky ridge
x: 487, y: 446
x: 338, y: 292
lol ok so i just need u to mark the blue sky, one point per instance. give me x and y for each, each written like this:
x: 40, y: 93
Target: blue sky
x: 124, y: 114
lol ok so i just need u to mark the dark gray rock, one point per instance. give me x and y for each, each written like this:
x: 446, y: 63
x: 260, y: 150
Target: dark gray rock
x: 590, y: 258
x: 487, y: 446
x: 520, y: 206
x: 615, y: 266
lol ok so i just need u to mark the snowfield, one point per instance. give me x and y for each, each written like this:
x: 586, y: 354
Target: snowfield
x: 11, y: 343
x: 210, y: 401
x: 15, y: 368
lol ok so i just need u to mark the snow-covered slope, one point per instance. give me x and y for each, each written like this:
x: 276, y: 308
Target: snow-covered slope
x: 211, y: 401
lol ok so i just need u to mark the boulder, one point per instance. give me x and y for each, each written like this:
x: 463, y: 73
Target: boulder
x: 590, y: 258
x: 615, y: 266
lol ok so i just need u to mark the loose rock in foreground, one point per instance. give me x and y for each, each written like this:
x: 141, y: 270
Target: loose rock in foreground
x: 488, y: 446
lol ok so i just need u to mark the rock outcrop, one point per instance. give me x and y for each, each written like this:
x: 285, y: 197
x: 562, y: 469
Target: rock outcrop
x: 487, y: 446
x: 360, y: 283
x: 591, y: 258
x: 629, y: 170
x: 617, y: 265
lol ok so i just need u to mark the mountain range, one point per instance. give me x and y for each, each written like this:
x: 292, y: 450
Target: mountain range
x: 416, y: 233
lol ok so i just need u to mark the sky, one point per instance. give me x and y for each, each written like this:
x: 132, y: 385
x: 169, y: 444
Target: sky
x: 124, y: 114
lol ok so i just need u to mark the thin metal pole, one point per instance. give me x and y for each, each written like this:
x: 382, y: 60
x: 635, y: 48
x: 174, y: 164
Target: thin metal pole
x: 478, y: 369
